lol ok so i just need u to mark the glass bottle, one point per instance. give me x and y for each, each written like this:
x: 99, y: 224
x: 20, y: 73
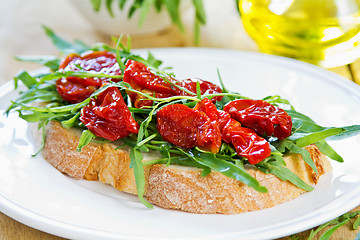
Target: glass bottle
x: 322, y: 32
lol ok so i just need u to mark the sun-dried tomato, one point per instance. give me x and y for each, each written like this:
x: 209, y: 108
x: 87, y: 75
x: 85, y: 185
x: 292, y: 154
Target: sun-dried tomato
x: 206, y: 106
x: 187, y: 128
x: 206, y: 87
x: 205, y: 127
x: 107, y: 116
x: 261, y: 116
x: 139, y: 73
x: 139, y: 76
x: 211, y: 141
x: 73, y: 92
x: 76, y: 89
x: 245, y: 141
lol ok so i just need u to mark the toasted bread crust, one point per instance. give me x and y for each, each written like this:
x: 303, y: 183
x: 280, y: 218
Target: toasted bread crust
x: 176, y: 187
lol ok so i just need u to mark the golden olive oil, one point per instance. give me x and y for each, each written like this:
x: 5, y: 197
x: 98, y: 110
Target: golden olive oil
x: 323, y: 32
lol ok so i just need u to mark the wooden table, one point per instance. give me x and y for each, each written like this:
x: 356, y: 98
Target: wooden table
x: 11, y: 229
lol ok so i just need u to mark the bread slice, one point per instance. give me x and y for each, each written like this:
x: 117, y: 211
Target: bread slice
x: 176, y: 187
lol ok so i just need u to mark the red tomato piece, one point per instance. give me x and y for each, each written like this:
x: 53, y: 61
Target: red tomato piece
x: 206, y: 87
x: 187, y: 128
x: 212, y: 140
x: 76, y: 89
x: 73, y: 92
x: 140, y: 74
x: 206, y: 106
x: 107, y: 116
x: 261, y: 116
x: 246, y: 142
x: 142, y: 79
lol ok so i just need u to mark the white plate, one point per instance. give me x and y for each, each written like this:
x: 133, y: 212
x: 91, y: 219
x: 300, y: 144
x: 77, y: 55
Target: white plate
x: 34, y: 193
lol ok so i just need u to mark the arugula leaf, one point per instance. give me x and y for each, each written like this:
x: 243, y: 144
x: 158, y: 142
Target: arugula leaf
x: 307, y: 131
x: 228, y: 169
x: 41, y: 126
x: 328, y: 233
x: 71, y: 122
x: 64, y: 46
x: 356, y: 223
x: 326, y: 149
x: 85, y: 139
x: 84, y: 74
x: 304, y: 153
x: 335, y: 223
x: 26, y: 78
x: 136, y: 163
x: 49, y: 61
x: 310, y: 138
x: 153, y: 61
x: 284, y: 174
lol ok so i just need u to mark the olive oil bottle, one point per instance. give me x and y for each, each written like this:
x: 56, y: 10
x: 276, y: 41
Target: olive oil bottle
x: 322, y: 32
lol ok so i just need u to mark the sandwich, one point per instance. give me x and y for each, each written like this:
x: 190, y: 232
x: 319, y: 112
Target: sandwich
x: 106, y: 114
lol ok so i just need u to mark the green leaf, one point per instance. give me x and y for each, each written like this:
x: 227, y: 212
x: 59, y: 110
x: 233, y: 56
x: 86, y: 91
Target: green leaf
x: 321, y: 227
x: 356, y: 224
x: 347, y: 131
x: 229, y: 169
x: 304, y: 153
x: 135, y: 6
x: 43, y: 137
x: 96, y: 4
x: 85, y: 139
x: 205, y: 172
x: 199, y: 11
x: 223, y: 87
x: 277, y: 101
x: 144, y: 9
x: 308, y: 132
x: 328, y: 233
x: 326, y: 149
x: 318, y: 136
x: 118, y: 56
x: 336, y: 223
x: 109, y: 7
x: 122, y: 4
x: 198, y: 90
x: 153, y: 61
x: 63, y: 45
x: 71, y: 122
x: 137, y: 164
x: 80, y: 74
x: 158, y: 5
x: 173, y: 9
x: 48, y: 61
x: 296, y: 115
x: 26, y: 78
x: 144, y: 141
x: 286, y: 175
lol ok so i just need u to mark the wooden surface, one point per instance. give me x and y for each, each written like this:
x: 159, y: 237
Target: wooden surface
x: 11, y: 229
